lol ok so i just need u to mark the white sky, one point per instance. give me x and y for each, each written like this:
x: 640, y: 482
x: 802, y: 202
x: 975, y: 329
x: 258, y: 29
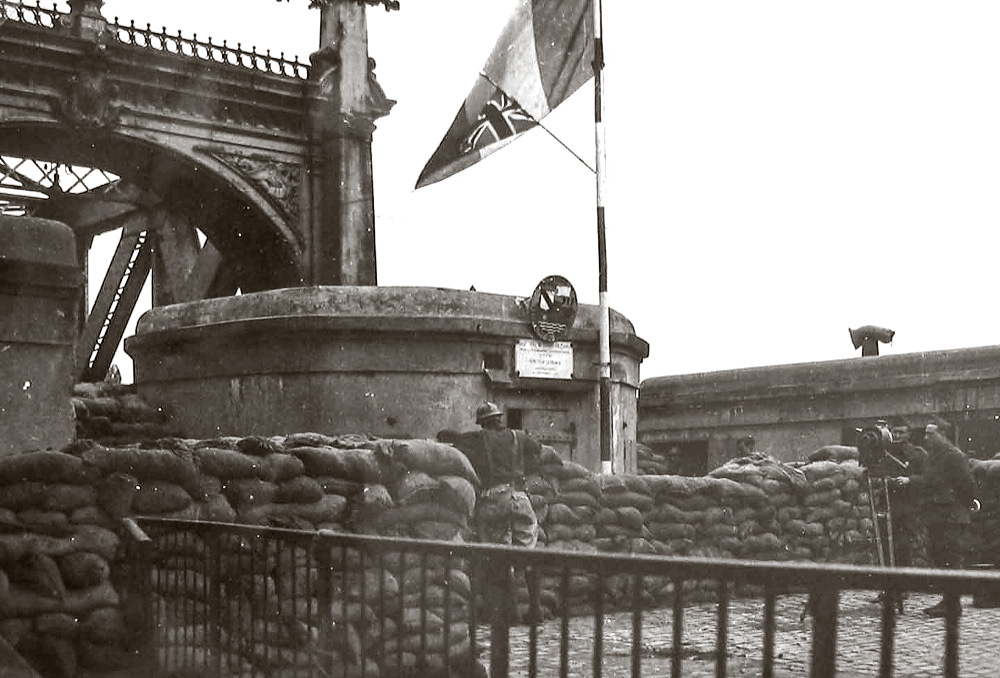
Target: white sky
x: 779, y: 171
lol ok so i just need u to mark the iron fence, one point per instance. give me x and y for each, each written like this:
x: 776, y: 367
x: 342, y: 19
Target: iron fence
x: 220, y: 599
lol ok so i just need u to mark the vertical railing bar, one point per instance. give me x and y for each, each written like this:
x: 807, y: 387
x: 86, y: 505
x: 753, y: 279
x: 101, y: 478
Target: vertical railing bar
x: 722, y: 629
x: 952, y: 610
x: 345, y: 589
x: 825, y: 596
x: 501, y: 615
x: 678, y: 630
x: 889, y: 598
x: 215, y: 604
x: 261, y: 605
x: 446, y: 613
x: 637, y: 580
x: 401, y: 626
x: 475, y: 598
x: 598, y: 623
x: 534, y: 610
x: 362, y: 621
x: 564, y: 624
x: 382, y: 576
x: 422, y: 661
x: 770, y: 624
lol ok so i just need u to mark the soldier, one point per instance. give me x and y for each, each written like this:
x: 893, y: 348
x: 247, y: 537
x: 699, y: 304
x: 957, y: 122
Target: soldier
x: 501, y: 457
x: 946, y: 492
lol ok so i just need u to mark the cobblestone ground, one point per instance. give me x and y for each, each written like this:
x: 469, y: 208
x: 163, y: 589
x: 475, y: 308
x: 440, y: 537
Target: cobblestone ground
x: 919, y: 646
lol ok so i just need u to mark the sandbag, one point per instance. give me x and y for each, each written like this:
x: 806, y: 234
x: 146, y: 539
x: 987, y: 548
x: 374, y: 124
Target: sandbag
x: 259, y: 446
x: 103, y: 625
x: 245, y: 492
x: 83, y: 569
x: 46, y: 466
x: 57, y: 624
x: 299, y: 490
x: 415, y: 487
x: 216, y: 508
x: 329, y: 509
x: 642, y: 502
x: 159, y: 496
x: 278, y: 467
x: 358, y: 465
x: 307, y: 439
x: 55, y: 523
x: 458, y: 494
x: 431, y: 457
x: 145, y: 464
x: 228, y: 464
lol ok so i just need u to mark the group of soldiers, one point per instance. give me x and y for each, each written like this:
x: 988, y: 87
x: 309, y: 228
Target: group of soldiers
x: 932, y: 497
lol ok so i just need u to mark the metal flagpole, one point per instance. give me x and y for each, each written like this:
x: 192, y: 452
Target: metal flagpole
x: 607, y: 465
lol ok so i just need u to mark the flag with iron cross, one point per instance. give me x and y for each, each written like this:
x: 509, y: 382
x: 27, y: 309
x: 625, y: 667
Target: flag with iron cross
x: 544, y: 54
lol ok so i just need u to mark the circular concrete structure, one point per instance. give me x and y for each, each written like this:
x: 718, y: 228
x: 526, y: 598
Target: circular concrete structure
x: 39, y: 291
x: 390, y: 361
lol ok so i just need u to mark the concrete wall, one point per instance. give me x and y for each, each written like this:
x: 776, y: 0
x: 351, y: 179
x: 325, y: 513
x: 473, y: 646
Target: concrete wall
x: 39, y: 288
x: 390, y: 361
x: 791, y: 410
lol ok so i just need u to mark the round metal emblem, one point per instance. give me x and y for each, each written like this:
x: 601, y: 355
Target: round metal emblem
x: 552, y: 308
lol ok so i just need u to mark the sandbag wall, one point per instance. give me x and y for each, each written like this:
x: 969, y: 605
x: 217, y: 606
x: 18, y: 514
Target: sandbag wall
x: 63, y: 509
x: 62, y: 549
x: 753, y: 508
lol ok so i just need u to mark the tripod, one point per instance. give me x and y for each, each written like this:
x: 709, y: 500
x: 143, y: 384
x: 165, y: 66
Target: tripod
x: 880, y: 505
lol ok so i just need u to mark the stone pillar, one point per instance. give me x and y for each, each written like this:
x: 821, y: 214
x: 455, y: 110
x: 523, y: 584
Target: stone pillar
x: 86, y: 20
x: 347, y: 100
x: 39, y: 288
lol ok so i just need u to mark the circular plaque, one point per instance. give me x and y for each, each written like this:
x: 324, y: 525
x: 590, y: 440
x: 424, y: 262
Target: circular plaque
x: 552, y: 308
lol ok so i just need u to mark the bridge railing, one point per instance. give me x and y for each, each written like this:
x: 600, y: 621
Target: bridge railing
x: 174, y: 43
x: 223, y: 53
x: 34, y: 14
x: 265, y: 601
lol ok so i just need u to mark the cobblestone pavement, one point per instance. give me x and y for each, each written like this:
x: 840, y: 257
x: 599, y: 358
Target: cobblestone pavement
x: 919, y: 646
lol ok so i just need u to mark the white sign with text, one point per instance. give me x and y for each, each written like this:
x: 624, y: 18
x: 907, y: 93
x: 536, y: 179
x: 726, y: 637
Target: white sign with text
x: 543, y: 360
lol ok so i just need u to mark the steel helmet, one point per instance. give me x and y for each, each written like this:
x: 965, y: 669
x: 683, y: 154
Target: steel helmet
x: 487, y: 410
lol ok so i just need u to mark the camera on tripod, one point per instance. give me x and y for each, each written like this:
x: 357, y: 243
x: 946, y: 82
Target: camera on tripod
x: 880, y: 453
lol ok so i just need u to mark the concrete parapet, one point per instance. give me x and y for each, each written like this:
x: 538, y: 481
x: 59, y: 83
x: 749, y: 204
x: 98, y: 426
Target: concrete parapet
x: 791, y: 410
x: 391, y: 361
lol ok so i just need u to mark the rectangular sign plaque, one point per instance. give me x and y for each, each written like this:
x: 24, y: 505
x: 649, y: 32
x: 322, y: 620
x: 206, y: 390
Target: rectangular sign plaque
x: 542, y: 360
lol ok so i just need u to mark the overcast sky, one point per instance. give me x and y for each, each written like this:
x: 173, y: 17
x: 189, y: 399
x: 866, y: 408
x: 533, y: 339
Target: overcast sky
x: 779, y: 171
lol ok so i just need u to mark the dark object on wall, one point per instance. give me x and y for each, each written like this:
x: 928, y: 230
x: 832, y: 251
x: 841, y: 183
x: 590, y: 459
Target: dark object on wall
x: 868, y: 337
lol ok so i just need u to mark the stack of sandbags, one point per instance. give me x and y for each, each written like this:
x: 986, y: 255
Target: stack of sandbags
x: 650, y: 463
x: 625, y: 505
x: 115, y: 413
x: 55, y: 557
x: 427, y: 624
x: 835, y: 522
x: 433, y: 492
x: 570, y: 518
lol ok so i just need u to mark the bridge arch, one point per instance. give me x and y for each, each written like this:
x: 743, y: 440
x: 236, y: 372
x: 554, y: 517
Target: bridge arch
x: 163, y: 197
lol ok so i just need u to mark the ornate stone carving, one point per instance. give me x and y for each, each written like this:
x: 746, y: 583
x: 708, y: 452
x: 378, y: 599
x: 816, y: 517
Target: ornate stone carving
x: 279, y: 181
x: 89, y: 99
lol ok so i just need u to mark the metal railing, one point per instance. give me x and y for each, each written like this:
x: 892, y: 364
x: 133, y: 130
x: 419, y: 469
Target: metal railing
x: 224, y: 53
x: 36, y: 15
x: 174, y: 43
x: 265, y: 601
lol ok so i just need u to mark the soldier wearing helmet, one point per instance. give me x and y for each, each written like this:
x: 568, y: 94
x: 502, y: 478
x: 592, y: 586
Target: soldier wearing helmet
x: 502, y: 457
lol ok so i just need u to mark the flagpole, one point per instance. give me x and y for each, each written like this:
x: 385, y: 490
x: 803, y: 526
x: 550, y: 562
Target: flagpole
x: 607, y: 465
